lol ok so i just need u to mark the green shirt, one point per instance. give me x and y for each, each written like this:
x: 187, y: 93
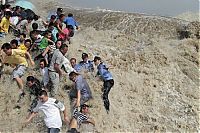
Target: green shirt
x: 43, y: 43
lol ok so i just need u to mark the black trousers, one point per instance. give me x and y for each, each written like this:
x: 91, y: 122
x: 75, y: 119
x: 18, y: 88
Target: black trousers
x: 107, y: 87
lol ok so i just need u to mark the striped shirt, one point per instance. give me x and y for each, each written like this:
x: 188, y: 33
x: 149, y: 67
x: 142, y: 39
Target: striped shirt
x: 80, y: 117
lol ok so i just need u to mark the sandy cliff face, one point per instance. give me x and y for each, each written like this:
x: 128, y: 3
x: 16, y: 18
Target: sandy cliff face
x: 156, y: 75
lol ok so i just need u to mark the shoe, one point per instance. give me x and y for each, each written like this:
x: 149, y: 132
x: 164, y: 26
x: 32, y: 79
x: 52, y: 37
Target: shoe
x: 20, y: 96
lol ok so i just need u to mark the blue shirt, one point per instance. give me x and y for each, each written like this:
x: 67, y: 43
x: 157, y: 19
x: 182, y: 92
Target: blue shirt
x: 87, y: 65
x: 77, y: 67
x: 83, y: 86
x: 103, y: 72
x: 70, y: 21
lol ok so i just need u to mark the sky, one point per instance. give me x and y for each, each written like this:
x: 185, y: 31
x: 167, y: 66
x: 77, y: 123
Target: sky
x: 157, y: 7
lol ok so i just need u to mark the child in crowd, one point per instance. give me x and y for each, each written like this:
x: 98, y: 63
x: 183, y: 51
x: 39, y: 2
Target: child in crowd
x: 34, y: 88
x: 44, y: 72
x: 21, y: 38
x: 44, y: 46
x: 14, y: 44
x: 26, y: 46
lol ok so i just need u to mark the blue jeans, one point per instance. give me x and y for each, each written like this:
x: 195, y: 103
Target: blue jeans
x: 53, y: 130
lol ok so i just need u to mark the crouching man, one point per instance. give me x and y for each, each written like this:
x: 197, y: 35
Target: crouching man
x: 51, y: 109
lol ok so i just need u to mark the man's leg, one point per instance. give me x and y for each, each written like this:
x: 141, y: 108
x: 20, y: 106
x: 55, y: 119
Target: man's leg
x: 54, y: 78
x: 53, y: 130
x: 18, y: 72
x: 106, y: 90
x: 20, y: 84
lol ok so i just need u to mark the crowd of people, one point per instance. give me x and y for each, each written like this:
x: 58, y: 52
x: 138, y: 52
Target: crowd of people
x: 49, y: 46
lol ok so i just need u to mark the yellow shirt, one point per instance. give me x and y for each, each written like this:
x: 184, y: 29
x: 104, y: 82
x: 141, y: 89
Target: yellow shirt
x: 17, y: 58
x: 4, y: 25
x: 22, y: 47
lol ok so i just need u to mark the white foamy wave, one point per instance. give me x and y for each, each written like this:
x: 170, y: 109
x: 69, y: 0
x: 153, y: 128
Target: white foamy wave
x: 189, y: 16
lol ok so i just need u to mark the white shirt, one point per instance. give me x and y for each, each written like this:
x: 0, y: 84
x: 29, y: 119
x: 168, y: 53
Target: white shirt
x: 51, y: 111
x: 45, y: 75
x: 67, y: 66
x: 14, y: 20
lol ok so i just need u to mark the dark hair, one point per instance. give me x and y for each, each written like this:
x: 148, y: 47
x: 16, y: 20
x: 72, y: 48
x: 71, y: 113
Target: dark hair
x: 97, y: 58
x: 61, y: 15
x: 70, y: 15
x: 8, y: 13
x: 83, y: 106
x: 6, y: 46
x: 35, y: 32
x: 59, y: 9
x: 51, y: 24
x: 59, y: 40
x: 27, y: 40
x: 29, y: 18
x: 14, y: 41
x: 8, y: 5
x: 36, y: 17
x: 30, y: 78
x: 35, y: 26
x: 84, y: 55
x: 53, y: 17
x: 63, y: 45
x: 47, y: 32
x: 72, y: 74
x: 73, y: 59
x: 43, y: 60
x: 42, y: 92
x: 23, y: 34
x: 17, y: 8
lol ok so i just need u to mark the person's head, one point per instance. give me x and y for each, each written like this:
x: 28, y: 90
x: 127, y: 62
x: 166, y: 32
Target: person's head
x: 73, y: 62
x: 70, y: 15
x: 61, y: 17
x: 97, y: 60
x: 27, y: 43
x: 59, y: 11
x: 18, y: 9
x: 72, y: 76
x: 8, y: 14
x: 29, y: 19
x: 22, y: 37
x: 35, y: 34
x: 34, y: 26
x: 84, y: 109
x: 36, y: 17
x: 7, y: 49
x: 47, y: 34
x: 53, y: 18
x: 30, y: 80
x: 43, y: 97
x: 84, y: 57
x: 14, y: 44
x: 51, y: 26
x: 8, y: 6
x: 43, y: 63
x: 63, y: 48
x: 58, y: 43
